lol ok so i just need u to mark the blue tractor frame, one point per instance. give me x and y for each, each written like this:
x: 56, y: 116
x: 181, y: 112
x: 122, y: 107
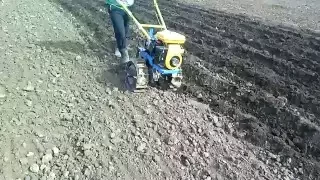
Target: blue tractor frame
x: 148, y: 61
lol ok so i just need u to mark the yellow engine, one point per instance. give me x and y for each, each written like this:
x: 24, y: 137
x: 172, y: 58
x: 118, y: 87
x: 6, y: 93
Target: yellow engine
x: 173, y: 42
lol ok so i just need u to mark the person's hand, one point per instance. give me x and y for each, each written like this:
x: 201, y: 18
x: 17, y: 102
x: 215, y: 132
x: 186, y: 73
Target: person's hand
x: 126, y: 2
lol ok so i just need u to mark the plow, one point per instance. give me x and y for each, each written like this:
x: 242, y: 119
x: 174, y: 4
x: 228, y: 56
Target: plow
x: 159, y: 59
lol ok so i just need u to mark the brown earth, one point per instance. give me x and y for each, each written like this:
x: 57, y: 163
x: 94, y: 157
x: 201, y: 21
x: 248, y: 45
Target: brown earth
x: 266, y: 78
x: 249, y: 108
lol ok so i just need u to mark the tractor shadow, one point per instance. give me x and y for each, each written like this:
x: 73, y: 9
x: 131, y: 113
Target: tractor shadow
x: 117, y: 81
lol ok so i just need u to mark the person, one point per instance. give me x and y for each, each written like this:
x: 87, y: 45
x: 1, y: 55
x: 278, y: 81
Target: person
x: 120, y: 21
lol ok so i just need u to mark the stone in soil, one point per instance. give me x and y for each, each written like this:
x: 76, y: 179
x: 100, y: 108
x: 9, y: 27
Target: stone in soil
x: 23, y: 161
x: 55, y: 151
x: 156, y: 158
x: 51, y: 176
x: 3, y: 92
x: 46, y: 158
x: 29, y: 87
x: 141, y: 147
x: 30, y: 154
x: 34, y: 168
x: 78, y: 58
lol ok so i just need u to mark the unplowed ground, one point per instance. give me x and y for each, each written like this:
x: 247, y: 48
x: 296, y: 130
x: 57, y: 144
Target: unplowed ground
x: 249, y: 108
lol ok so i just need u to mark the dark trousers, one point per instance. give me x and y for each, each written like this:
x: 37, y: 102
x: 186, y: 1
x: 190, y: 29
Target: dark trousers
x: 120, y: 21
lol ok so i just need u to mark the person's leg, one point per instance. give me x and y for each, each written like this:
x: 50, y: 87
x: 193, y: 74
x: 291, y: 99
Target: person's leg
x: 127, y: 28
x: 118, y: 26
x: 117, y: 18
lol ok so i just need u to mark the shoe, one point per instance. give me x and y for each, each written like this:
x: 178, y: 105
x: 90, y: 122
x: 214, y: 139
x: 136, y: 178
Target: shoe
x: 124, y: 56
x: 117, y: 53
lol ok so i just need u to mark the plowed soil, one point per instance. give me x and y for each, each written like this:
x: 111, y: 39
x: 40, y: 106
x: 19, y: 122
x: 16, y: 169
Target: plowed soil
x: 266, y: 78
x: 249, y: 108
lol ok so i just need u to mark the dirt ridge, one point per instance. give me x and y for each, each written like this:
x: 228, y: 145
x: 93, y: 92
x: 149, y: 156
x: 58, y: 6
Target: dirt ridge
x: 284, y: 63
x: 65, y: 115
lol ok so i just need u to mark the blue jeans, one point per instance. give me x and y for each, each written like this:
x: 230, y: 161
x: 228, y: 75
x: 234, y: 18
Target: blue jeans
x: 120, y: 21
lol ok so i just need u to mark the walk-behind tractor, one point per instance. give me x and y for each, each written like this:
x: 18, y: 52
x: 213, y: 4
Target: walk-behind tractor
x: 158, y: 61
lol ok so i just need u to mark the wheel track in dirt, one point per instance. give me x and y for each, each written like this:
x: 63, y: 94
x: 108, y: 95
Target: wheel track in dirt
x: 255, y: 54
x: 284, y: 37
x: 209, y: 34
x: 277, y: 61
x: 217, y: 37
x: 249, y: 23
x: 277, y: 66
